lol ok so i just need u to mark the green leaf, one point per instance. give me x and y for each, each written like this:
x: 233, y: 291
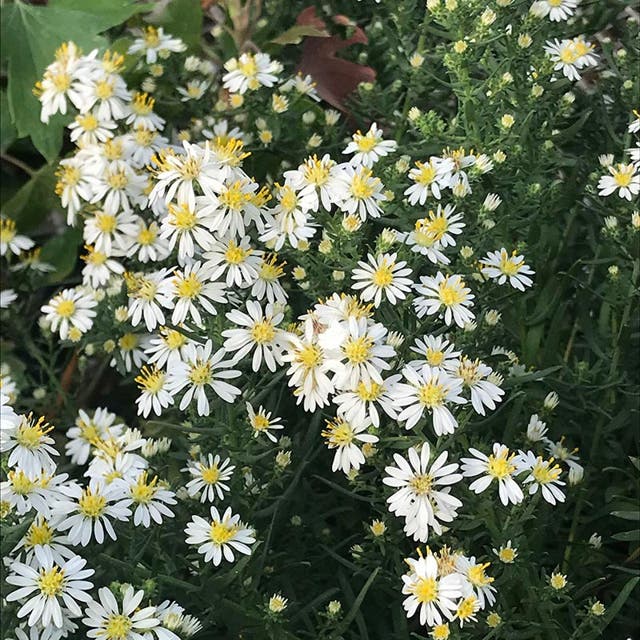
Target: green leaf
x: 183, y: 19
x: 356, y: 605
x: 627, y: 515
x: 613, y: 609
x: 8, y: 131
x: 62, y: 253
x: 30, y: 37
x: 34, y: 200
x: 295, y: 34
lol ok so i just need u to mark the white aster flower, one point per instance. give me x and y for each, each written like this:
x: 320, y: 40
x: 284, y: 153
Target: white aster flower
x: 543, y: 475
x: 42, y: 533
x: 88, y: 129
x: 262, y: 422
x: 501, y: 266
x: 436, y: 351
x: 320, y: 173
x: 29, y: 444
x: 475, y: 375
x: 359, y: 192
x: 556, y: 10
x: 624, y: 178
x: 369, y: 147
x: 359, y: 403
x: 238, y: 260
x: 153, y: 42
x: 447, y: 295
x: 149, y: 294
x: 249, y: 72
x: 71, y: 308
x: 536, y: 429
x: 152, y: 383
x: 344, y: 437
x: 382, y: 275
x: 167, y: 347
x: 210, y: 476
x: 429, y: 179
x: 190, y: 286
x: 480, y: 582
x: 88, y: 431
x: 149, y: 500
x: 11, y: 240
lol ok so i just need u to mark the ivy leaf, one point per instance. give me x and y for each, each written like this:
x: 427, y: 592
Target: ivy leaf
x: 30, y: 37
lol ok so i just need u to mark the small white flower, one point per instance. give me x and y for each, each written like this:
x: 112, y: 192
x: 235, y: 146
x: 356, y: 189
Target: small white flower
x: 149, y: 499
x: 344, y: 437
x: 71, y: 308
x: 543, y: 475
x: 369, y: 147
x: 382, y: 275
x: 249, y: 72
x: 210, y: 476
x: 624, y: 178
x: 536, y: 429
x: 448, y: 295
x: 10, y: 240
x: 262, y: 422
x: 501, y: 266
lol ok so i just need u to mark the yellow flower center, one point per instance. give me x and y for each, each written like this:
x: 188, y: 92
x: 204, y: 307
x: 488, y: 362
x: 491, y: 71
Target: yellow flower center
x: 436, y: 226
x: 235, y: 254
x: 113, y: 149
x: 190, y: 169
x: 106, y: 222
x: 469, y: 371
x: 623, y: 175
x: 61, y: 81
x: 7, y: 230
x: 383, y: 275
x: 146, y: 290
x: 144, y: 137
x: 21, y: 483
x: 200, y: 373
x: 507, y: 554
x: 118, y: 180
x: 128, y: 342
x: 434, y: 357
x: 51, y: 582
x: 189, y: 287
x: 451, y: 294
x: 30, y: 434
x: 143, y: 492
x: 182, y: 217
x: 368, y: 392
x: 555, y: 3
x: 88, y: 122
x: 421, y: 484
x: 210, y: 475
x: 365, y: 142
x: 478, y: 577
x: 117, y: 627
x: 263, y: 331
x: 234, y: 198
x: 500, y: 467
x: 260, y: 422
x: 69, y: 177
x: 426, y: 174
x: 38, y: 534
x: 425, y: 590
x: 147, y: 235
x: 568, y: 54
x: 91, y: 505
x: 467, y: 608
x: 432, y: 394
x: 66, y: 308
x: 142, y: 104
x: 174, y: 339
x: 88, y: 431
x: 544, y: 473
x: 221, y: 532
x: 248, y: 66
x: 309, y: 356
x: 441, y: 632
x: 151, y: 37
x: 357, y: 350
x: 151, y: 380
x: 104, y: 89
x: 362, y: 186
x: 508, y: 266
x: 338, y: 434
x: 270, y: 270
x: 315, y: 171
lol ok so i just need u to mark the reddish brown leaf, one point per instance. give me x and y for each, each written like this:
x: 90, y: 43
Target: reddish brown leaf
x: 335, y: 78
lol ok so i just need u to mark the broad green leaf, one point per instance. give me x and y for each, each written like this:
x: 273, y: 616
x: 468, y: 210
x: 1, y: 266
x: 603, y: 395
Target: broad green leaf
x: 34, y: 200
x: 183, y: 19
x: 8, y: 131
x: 62, y: 253
x: 106, y: 13
x: 627, y: 515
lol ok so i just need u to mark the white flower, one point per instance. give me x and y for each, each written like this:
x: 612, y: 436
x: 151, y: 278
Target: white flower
x: 500, y: 466
x: 429, y: 178
x: 359, y: 403
x: 141, y: 115
x: 543, y: 475
x: 150, y: 500
x: 359, y: 192
x: 71, y: 308
x: 448, y: 293
x: 147, y: 244
x: 382, y: 275
x: 210, y: 476
x: 108, y: 621
x: 474, y: 375
x: 194, y: 90
x: 249, y: 72
x: 87, y: 512
x: 73, y: 185
x: 42, y: 533
x: 10, y: 240
x: 187, y: 227
x: 220, y: 536
x: 149, y: 293
x: 32, y: 491
x: 570, y: 56
x: 624, y: 179
x: 262, y: 422
x: 322, y: 174
x: 536, y: 429
x: 167, y: 348
x: 87, y: 129
x: 435, y: 596
x: 110, y: 233
x: 152, y: 382
x: 106, y: 95
x: 258, y: 332
x: 190, y: 285
x: 556, y: 10
x: 479, y: 581
x: 118, y: 187
x: 344, y: 436
x: 200, y: 369
x: 90, y: 431
x: 436, y: 352
x: 501, y: 266
x: 239, y: 260
x: 29, y: 443
x: 369, y: 147
x: 7, y: 298
x: 422, y: 494
x: 47, y: 586
x: 429, y: 389
x: 152, y: 41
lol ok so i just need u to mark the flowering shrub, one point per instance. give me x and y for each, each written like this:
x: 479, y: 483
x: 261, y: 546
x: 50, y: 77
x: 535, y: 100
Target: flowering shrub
x: 326, y: 371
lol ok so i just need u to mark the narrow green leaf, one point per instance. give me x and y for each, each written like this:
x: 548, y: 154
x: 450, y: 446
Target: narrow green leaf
x: 348, y: 619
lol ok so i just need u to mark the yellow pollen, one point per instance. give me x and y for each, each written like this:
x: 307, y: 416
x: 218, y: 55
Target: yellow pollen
x: 182, y: 217
x: 144, y: 137
x: 190, y: 169
x: 51, y: 582
x: 368, y: 392
x: 88, y: 431
x: 421, y: 484
x: 432, y: 395
x: 309, y: 356
x: 91, y: 505
x: 7, y: 230
x: 106, y: 222
x: 507, y: 554
x: 451, y: 294
x: 248, y: 67
x: 29, y: 434
x: 365, y: 142
x: 478, y: 577
x: 148, y: 235
x: 270, y: 270
x: 236, y: 254
x: 143, y: 492
x: 128, y: 342
x: 20, y: 482
x: 339, y: 433
x: 117, y: 627
x: 142, y: 104
x: 383, y: 275
x: 425, y: 590
x: 501, y: 466
x: 234, y: 198
x: 316, y: 172
x: 362, y: 185
x: 188, y: 287
x: 263, y: 331
x: 104, y: 89
x: 221, y: 532
x: 357, y: 350
x: 210, y: 475
x: 39, y: 533
x: 623, y: 175
x: 200, y: 373
x: 288, y: 199
x: 434, y: 357
x: 507, y: 265
x: 151, y: 37
x: 260, y: 422
x: 469, y: 372
x: 173, y: 339
x: 113, y: 149
x: 65, y: 308
x: 467, y: 608
x: 151, y: 380
x: 544, y: 472
x: 68, y: 177
x: 88, y: 122
x: 426, y: 175
x: 118, y: 180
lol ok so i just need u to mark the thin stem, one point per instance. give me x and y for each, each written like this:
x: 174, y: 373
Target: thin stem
x: 17, y: 163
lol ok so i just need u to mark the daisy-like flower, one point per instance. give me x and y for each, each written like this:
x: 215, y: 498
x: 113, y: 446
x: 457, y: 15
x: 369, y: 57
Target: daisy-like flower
x: 319, y: 173
x: 258, y: 332
x: 467, y: 609
x: 118, y: 187
x: 473, y: 375
x: 149, y: 293
x: 382, y: 275
x: 87, y: 512
x: 32, y: 491
x: 141, y: 145
x: 141, y: 113
x: 570, y: 56
x: 41, y: 533
x: 499, y: 465
x: 167, y: 348
x: 200, y: 369
x: 359, y: 403
x: 422, y: 494
x: 107, y: 620
x: 153, y: 42
x: 429, y: 179
x: 369, y: 147
x: 238, y: 260
x: 109, y: 232
x: 29, y: 444
x: 268, y: 283
x: 88, y: 431
x: 210, y: 476
x: 152, y: 383
x: 191, y: 286
x: 262, y: 422
x: 146, y: 243
x: 344, y: 437
x: 130, y: 351
x: 536, y: 429
x: 624, y: 178
x: 480, y: 582
x: 423, y: 242
x: 249, y: 72
x: 309, y: 367
x: 106, y: 94
x: 442, y: 225
x: 187, y: 227
x: 501, y: 266
x: 87, y: 129
x: 99, y: 268
x: 149, y: 499
x: 435, y: 596
x: 11, y: 240
x: 73, y: 186
x: 436, y: 352
x: 447, y: 295
x: 506, y: 553
x: 364, y: 353
x: 220, y: 536
x: 359, y: 192
x: 429, y: 389
x: 194, y: 90
x: 543, y: 475
x: 48, y: 586
x: 71, y: 308
x: 556, y: 10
